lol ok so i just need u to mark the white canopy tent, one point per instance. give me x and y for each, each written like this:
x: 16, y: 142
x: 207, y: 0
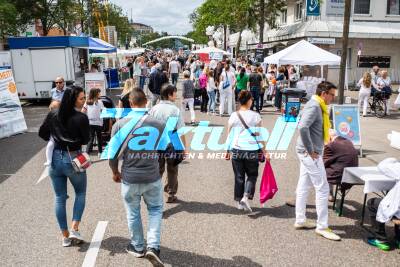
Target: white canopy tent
x: 303, y: 53
x: 208, y: 50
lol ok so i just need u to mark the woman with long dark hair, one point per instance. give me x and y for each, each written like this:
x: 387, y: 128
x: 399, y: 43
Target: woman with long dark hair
x: 69, y: 128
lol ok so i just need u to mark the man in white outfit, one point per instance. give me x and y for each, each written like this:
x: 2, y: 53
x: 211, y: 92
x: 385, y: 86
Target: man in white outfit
x: 226, y: 87
x: 310, y: 145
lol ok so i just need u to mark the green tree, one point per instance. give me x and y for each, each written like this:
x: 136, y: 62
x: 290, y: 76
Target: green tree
x: 8, y: 19
x: 267, y: 11
x: 112, y: 15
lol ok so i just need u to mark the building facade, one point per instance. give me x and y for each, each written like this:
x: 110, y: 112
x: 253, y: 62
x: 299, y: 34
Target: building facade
x: 374, y: 37
x: 140, y: 28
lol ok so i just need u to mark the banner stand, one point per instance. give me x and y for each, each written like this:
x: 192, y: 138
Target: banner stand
x: 346, y: 122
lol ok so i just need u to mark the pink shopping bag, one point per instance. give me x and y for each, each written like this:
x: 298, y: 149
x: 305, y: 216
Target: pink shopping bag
x: 268, y: 187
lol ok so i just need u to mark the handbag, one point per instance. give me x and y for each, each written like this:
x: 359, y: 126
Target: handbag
x: 268, y: 186
x: 80, y: 162
x: 226, y: 83
x: 261, y: 156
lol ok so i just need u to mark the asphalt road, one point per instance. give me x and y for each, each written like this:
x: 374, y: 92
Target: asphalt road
x: 203, y: 229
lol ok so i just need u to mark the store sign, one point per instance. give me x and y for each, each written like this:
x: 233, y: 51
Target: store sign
x: 335, y: 7
x: 313, y: 8
x: 327, y: 41
x: 12, y: 119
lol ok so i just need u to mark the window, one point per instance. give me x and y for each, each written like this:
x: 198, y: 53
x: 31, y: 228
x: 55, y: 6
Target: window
x: 299, y: 10
x: 393, y: 7
x: 284, y: 16
x: 362, y: 7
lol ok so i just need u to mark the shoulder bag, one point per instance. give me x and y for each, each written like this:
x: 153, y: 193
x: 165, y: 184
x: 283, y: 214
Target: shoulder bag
x: 261, y: 156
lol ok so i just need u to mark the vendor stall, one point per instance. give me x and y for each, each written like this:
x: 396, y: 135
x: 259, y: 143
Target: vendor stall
x: 304, y: 53
x: 37, y: 61
x: 209, y: 53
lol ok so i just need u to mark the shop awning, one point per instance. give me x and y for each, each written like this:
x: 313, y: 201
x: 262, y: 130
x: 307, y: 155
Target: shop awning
x: 97, y: 45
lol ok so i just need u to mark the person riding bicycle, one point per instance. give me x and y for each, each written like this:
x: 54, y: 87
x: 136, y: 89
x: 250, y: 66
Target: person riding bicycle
x: 384, y: 85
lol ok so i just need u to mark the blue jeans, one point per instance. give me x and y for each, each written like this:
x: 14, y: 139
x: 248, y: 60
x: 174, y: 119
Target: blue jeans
x: 174, y: 78
x: 255, y: 92
x: 153, y: 197
x: 211, y: 103
x: 142, y: 80
x: 61, y: 169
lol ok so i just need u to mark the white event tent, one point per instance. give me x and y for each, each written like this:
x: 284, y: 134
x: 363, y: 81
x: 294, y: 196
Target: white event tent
x: 303, y: 53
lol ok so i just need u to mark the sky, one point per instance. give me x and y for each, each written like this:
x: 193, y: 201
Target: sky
x: 170, y: 16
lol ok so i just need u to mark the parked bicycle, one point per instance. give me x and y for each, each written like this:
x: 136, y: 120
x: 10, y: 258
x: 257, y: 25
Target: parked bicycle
x: 377, y: 104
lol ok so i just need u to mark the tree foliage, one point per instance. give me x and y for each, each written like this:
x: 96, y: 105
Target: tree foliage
x: 235, y: 14
x: 8, y: 19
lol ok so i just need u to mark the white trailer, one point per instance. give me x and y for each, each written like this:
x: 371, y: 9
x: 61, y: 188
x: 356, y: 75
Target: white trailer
x: 37, y: 61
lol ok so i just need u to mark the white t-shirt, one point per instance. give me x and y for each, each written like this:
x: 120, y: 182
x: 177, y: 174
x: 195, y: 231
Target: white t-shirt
x: 174, y: 67
x: 211, y: 84
x: 231, y: 78
x: 240, y: 138
x: 93, y: 113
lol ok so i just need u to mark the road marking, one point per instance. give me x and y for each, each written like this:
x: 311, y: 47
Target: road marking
x: 91, y: 254
x: 44, y: 174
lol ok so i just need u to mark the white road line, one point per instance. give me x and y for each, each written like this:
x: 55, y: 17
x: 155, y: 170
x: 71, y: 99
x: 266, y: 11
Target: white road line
x: 91, y: 254
x: 44, y: 174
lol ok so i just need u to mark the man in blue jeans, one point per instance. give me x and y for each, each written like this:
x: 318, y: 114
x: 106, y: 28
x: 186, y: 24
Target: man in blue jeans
x: 140, y: 177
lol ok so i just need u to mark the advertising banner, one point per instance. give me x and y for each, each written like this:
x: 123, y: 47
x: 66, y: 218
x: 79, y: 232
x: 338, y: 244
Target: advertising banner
x: 12, y: 119
x: 346, y: 121
x: 216, y: 56
x: 313, y: 8
x: 95, y: 80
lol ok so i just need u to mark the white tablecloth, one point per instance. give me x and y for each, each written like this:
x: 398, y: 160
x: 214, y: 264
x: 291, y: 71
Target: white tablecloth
x: 372, y: 179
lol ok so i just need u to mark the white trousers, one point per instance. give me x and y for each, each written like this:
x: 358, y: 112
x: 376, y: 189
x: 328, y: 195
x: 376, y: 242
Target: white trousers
x: 312, y: 174
x: 225, y: 95
x: 363, y: 101
x: 190, y: 103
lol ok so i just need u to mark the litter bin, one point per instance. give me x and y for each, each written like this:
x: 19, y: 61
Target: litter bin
x: 291, y: 103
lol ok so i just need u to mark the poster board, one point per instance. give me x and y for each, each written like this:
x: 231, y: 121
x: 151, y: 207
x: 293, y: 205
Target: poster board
x: 95, y: 80
x: 12, y: 119
x: 216, y: 56
x: 346, y: 121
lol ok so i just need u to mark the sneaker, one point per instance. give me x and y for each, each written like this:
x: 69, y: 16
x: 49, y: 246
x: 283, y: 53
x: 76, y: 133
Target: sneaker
x: 382, y: 245
x: 66, y: 242
x: 245, y: 203
x: 305, y: 225
x: 131, y: 250
x: 328, y: 234
x: 240, y: 206
x: 75, y: 235
x: 153, y: 255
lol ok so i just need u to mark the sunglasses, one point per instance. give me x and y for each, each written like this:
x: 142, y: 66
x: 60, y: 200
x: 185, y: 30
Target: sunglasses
x: 58, y: 82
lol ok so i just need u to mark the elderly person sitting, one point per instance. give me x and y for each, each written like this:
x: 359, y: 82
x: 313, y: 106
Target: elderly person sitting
x: 339, y: 153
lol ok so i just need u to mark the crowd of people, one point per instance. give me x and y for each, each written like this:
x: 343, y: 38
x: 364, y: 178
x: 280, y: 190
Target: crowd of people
x: 75, y: 121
